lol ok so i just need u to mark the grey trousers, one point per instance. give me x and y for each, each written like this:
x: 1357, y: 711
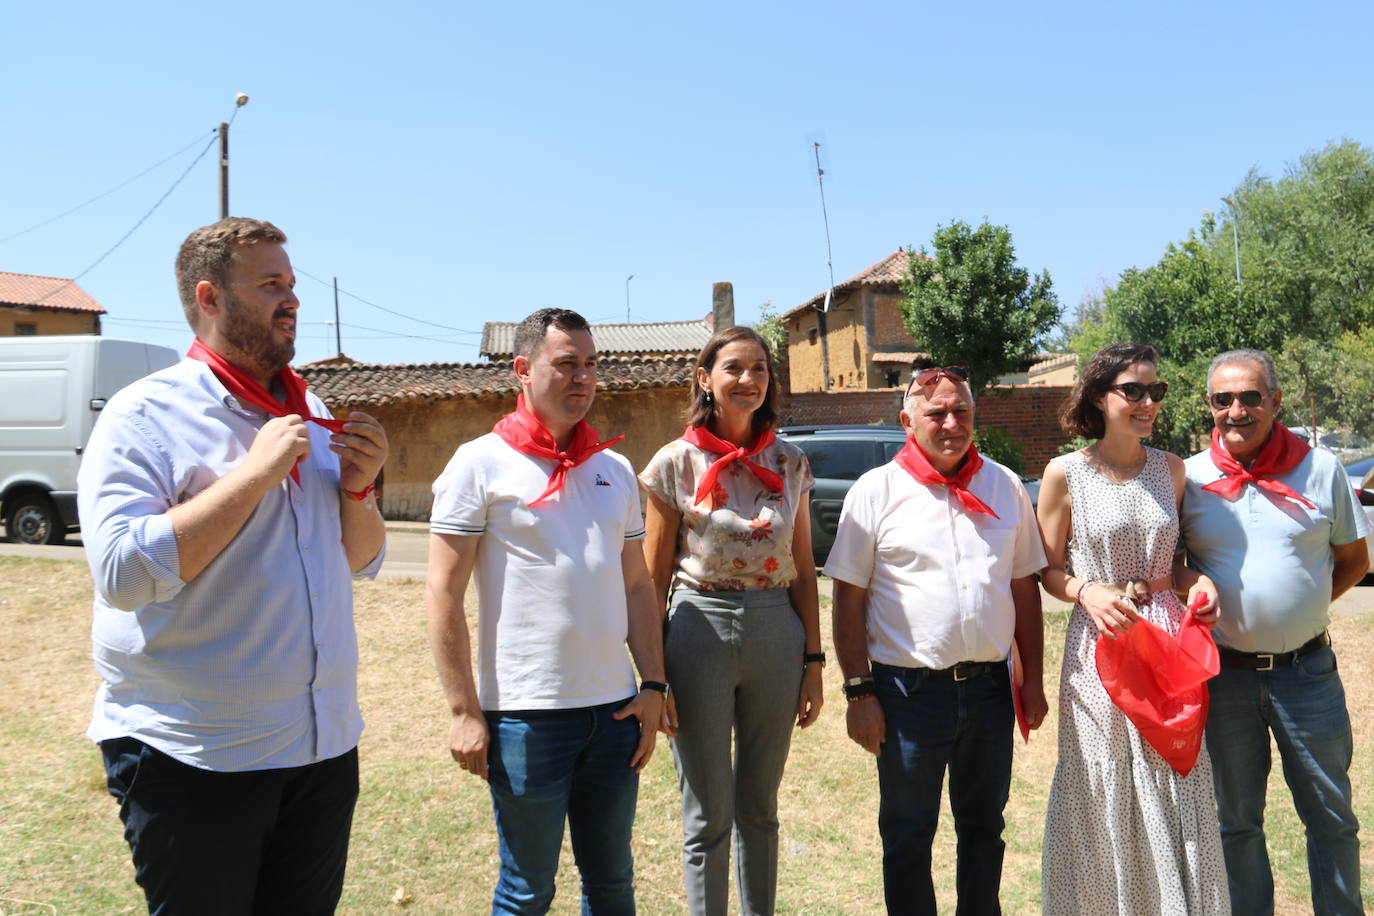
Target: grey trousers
x: 734, y: 660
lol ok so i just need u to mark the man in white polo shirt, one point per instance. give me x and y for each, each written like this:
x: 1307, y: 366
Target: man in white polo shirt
x: 934, y: 566
x: 550, y: 521
x: 1275, y: 525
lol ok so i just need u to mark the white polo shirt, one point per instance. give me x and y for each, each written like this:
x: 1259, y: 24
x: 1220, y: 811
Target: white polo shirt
x: 938, y: 575
x: 552, y: 616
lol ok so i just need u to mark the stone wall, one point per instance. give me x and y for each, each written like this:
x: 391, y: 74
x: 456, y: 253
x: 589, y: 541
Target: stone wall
x: 424, y: 435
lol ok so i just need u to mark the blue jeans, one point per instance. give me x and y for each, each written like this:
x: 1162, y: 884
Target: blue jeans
x: 550, y: 765
x: 936, y: 723
x: 1303, y: 704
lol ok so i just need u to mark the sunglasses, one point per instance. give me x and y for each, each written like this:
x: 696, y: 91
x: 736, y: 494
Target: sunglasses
x: 1220, y: 400
x: 928, y: 377
x: 1136, y: 391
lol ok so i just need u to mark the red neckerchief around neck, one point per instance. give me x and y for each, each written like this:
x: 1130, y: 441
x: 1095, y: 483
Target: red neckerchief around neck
x: 1281, y: 452
x: 522, y: 431
x: 915, y: 462
x: 247, y: 390
x: 708, y: 441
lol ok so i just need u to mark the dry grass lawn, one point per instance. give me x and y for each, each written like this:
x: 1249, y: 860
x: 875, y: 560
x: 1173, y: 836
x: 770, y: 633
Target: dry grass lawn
x: 423, y: 841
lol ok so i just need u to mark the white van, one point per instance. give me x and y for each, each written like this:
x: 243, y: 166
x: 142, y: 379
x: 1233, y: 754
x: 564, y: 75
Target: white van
x: 51, y: 388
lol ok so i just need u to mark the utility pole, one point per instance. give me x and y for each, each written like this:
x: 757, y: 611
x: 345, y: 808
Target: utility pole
x: 239, y: 101
x: 338, y: 334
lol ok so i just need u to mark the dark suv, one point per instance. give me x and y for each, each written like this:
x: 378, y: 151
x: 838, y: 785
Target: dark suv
x: 839, y: 455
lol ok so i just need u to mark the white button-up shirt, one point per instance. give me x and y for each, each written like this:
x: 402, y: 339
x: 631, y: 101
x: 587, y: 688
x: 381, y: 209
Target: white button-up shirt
x: 938, y: 575
x: 253, y: 664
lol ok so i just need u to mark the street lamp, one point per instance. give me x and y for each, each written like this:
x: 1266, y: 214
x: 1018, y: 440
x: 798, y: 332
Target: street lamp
x: 239, y: 101
x: 627, y: 297
x: 1235, y: 235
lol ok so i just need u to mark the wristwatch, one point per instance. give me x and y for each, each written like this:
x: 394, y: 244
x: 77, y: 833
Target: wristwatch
x: 810, y: 657
x: 856, y: 688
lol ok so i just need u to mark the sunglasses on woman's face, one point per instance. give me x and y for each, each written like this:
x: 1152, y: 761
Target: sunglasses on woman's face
x: 931, y: 376
x: 1136, y: 391
x: 1221, y: 400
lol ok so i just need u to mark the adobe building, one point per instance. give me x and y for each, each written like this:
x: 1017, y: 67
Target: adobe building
x: 32, y: 305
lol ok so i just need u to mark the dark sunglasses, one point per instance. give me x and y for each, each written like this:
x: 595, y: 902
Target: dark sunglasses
x: 1220, y: 400
x: 930, y: 376
x: 1136, y: 391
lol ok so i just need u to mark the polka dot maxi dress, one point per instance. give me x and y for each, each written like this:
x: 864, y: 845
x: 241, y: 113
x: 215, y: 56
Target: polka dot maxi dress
x: 1124, y: 833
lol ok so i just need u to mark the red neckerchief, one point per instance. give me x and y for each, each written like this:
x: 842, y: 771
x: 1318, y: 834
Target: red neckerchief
x: 708, y: 441
x: 1281, y: 452
x: 522, y: 431
x: 915, y: 462
x: 247, y: 390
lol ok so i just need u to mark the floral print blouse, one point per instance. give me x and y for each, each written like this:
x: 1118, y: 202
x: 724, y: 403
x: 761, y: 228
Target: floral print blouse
x: 740, y: 536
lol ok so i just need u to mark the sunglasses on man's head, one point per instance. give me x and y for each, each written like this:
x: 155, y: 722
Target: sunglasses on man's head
x: 928, y: 377
x: 1136, y: 391
x: 1220, y: 400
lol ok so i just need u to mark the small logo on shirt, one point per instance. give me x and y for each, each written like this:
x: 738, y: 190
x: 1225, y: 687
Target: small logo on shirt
x: 601, y: 481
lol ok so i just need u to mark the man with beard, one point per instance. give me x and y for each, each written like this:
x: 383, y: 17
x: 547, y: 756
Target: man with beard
x: 1275, y: 525
x: 224, y: 514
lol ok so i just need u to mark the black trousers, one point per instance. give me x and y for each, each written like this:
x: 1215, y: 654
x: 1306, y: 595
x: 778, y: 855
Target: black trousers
x: 254, y: 842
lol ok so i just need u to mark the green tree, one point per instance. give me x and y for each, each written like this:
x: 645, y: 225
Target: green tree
x: 772, y: 328
x: 969, y: 304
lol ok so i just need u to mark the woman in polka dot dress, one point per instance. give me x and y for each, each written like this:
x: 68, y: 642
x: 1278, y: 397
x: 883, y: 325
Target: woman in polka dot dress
x: 1124, y: 833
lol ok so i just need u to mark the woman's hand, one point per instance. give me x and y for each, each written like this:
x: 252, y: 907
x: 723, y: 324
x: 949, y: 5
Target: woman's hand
x: 1203, y: 596
x: 812, y: 696
x: 1110, y: 607
x: 669, y: 724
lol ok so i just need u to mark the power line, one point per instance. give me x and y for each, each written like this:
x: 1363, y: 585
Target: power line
x: 383, y: 308
x: 57, y: 289
x: 104, y: 194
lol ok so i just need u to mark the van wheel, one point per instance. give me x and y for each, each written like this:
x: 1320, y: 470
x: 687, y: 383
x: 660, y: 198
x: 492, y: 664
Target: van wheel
x: 32, y: 519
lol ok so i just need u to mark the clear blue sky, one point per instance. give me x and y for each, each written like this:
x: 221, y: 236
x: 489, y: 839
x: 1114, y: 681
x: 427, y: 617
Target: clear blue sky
x: 460, y: 163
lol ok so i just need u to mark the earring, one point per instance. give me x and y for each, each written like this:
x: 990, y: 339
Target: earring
x: 708, y: 400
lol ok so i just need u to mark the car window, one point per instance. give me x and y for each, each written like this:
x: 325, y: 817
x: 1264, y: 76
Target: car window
x: 838, y: 460
x: 890, y: 450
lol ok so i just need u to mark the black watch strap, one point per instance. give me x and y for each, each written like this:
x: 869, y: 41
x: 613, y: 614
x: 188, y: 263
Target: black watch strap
x: 810, y: 657
x: 654, y: 685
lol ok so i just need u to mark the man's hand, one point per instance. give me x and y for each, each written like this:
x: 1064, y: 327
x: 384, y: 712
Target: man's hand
x: 276, y: 448
x: 1033, y: 704
x: 866, y: 723
x: 647, y: 707
x: 467, y: 742
x: 362, y: 449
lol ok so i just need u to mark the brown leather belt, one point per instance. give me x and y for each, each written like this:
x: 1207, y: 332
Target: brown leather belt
x: 1267, y: 661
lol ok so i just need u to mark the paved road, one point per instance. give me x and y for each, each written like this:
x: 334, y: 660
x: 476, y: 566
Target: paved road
x: 408, y: 544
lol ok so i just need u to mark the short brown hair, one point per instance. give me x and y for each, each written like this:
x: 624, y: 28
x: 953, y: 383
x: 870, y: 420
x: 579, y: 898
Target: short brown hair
x: 699, y: 410
x: 206, y: 253
x: 530, y: 333
x: 1080, y: 416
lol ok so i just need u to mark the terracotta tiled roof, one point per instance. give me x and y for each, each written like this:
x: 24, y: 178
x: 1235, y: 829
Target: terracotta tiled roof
x: 30, y: 291
x: 351, y: 384
x: 887, y: 272
x: 498, y: 338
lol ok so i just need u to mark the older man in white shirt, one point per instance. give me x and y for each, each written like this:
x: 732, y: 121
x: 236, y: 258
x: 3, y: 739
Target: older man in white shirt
x: 224, y: 513
x: 934, y: 565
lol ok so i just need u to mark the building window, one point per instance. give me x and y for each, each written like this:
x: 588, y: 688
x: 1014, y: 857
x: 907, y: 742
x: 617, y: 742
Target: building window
x: 25, y: 329
x: 811, y: 336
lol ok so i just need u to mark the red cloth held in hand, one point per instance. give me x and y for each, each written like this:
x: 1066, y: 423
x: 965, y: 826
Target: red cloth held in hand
x: 1280, y: 453
x: 708, y: 441
x: 522, y: 431
x: 244, y: 387
x: 915, y: 462
x: 1160, y: 683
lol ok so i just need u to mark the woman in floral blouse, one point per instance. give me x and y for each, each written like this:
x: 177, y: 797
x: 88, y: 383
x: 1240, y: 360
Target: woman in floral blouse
x: 729, y: 540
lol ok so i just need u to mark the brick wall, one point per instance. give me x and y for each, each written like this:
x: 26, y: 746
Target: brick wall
x: 1026, y: 413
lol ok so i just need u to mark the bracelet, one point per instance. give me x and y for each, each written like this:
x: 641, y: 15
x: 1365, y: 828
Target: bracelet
x: 816, y: 657
x: 360, y: 495
x: 856, y: 688
x: 1078, y: 598
x: 658, y: 686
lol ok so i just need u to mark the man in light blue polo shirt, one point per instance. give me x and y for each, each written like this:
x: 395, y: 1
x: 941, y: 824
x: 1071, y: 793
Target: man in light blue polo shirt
x: 1275, y: 525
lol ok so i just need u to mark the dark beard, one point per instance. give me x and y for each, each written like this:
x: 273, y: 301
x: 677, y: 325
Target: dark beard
x: 255, y: 344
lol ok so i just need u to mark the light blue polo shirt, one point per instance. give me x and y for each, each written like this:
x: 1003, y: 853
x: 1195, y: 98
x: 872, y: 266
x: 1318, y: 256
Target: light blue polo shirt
x: 1269, y: 556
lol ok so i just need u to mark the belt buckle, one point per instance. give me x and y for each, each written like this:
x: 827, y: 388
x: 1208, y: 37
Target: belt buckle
x: 958, y: 676
x: 1269, y: 656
